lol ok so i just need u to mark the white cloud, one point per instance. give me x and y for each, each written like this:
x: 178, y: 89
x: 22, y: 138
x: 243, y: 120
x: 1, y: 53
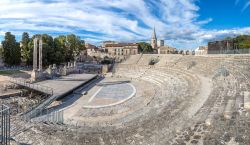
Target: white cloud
x: 97, y: 20
x: 246, y: 6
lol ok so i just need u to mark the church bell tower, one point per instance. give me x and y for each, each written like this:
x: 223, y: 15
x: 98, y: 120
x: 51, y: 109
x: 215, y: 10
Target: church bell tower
x: 154, y: 40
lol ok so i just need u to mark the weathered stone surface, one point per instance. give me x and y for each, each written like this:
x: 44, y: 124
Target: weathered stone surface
x: 163, y: 111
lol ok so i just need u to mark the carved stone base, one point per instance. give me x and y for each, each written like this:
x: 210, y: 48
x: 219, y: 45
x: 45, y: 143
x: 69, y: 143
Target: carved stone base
x: 36, y: 75
x: 105, y: 69
x: 63, y: 71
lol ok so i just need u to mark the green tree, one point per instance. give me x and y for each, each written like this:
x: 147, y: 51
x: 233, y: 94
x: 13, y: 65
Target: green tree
x: 74, y: 46
x: 60, y: 49
x: 11, y: 50
x: 25, y: 48
x: 145, y: 47
x: 243, y: 41
x: 228, y: 38
x: 48, y: 50
x: 1, y: 51
x: 31, y: 46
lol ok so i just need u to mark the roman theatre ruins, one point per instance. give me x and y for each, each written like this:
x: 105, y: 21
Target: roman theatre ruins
x: 178, y: 100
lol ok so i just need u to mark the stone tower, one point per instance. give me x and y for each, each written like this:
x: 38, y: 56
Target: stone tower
x: 154, y: 40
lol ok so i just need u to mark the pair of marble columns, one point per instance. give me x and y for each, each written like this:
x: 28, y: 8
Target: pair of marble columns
x: 40, y: 65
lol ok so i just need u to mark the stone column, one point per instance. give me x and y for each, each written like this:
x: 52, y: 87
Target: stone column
x: 64, y: 70
x: 54, y: 66
x: 49, y: 70
x: 68, y: 64
x: 35, y: 55
x: 40, y: 54
x: 54, y: 69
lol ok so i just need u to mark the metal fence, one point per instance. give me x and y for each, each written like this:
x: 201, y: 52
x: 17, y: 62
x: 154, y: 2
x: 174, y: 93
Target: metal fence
x: 234, y: 51
x: 8, y: 68
x: 5, y: 125
x: 40, y: 88
x: 55, y: 117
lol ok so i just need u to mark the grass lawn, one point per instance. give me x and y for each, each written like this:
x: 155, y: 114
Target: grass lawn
x: 10, y: 72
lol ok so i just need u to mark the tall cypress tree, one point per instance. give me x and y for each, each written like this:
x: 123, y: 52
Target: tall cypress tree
x: 11, y: 50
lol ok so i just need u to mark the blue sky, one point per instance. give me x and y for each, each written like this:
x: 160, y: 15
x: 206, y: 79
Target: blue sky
x: 184, y: 24
x: 226, y: 14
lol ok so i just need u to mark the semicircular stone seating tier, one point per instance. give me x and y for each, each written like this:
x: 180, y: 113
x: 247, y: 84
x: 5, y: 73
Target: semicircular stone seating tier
x: 151, y: 117
x: 224, y: 107
x: 155, y: 88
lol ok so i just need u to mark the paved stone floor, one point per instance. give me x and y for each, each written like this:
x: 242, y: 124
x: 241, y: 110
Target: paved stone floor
x: 110, y: 94
x: 66, y: 83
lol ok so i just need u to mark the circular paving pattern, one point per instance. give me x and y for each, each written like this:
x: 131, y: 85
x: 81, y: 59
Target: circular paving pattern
x: 110, y: 94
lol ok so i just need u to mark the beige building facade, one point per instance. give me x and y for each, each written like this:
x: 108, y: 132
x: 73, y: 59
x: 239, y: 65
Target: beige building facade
x: 201, y: 50
x: 118, y: 49
x: 166, y: 50
x: 160, y: 43
x: 91, y: 49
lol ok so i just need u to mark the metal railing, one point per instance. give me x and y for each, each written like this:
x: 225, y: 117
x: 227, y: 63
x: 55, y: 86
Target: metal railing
x: 53, y: 117
x: 39, y: 110
x: 234, y: 51
x: 40, y: 88
x: 5, y: 125
x: 6, y: 68
x: 36, y: 111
